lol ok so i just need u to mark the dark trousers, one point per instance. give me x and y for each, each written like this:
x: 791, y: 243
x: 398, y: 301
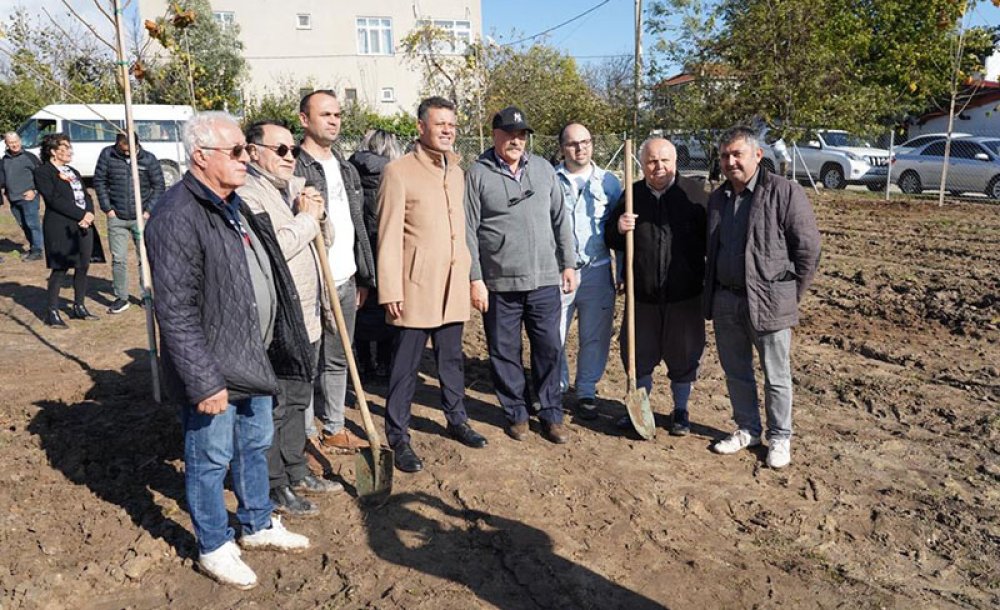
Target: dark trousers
x: 79, y: 274
x: 286, y: 459
x: 673, y: 333
x: 447, y: 343
x: 539, y: 310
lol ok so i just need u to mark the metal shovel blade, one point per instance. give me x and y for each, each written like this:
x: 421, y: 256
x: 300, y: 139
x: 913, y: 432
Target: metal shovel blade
x: 373, y: 468
x: 641, y: 414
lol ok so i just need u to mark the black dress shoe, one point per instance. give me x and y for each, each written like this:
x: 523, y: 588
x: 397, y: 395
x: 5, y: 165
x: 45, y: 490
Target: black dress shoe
x: 53, y: 319
x: 79, y: 312
x: 406, y: 460
x: 288, y: 502
x: 586, y: 408
x: 464, y: 434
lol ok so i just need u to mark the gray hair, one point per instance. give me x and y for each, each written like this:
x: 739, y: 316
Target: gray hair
x: 644, y: 147
x: 382, y: 143
x: 200, y: 131
x: 11, y: 134
x: 740, y: 132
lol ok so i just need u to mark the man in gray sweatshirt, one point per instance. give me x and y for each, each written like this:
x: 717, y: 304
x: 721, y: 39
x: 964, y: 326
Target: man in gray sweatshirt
x: 521, y: 241
x: 17, y: 180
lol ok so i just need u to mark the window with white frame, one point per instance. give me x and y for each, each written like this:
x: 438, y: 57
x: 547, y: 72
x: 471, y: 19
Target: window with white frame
x: 458, y: 35
x: 225, y: 19
x: 388, y: 95
x: 374, y: 35
x: 303, y: 21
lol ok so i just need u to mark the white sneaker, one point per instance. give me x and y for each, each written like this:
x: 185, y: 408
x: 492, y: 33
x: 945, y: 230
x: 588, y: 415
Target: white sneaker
x: 275, y: 537
x: 224, y: 565
x: 741, y: 439
x: 779, y: 453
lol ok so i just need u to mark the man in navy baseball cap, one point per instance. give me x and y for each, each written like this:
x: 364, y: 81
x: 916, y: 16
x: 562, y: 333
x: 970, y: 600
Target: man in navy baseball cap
x: 511, y: 119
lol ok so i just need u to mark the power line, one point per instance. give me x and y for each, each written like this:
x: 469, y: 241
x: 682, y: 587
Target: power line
x: 556, y: 27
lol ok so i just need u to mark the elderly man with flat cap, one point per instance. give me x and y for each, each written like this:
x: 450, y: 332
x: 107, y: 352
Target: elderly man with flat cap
x: 521, y: 242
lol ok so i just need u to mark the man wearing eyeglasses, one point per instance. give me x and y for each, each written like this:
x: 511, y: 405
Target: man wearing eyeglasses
x: 230, y: 325
x: 297, y: 215
x: 351, y: 261
x: 521, y: 241
x: 590, y: 193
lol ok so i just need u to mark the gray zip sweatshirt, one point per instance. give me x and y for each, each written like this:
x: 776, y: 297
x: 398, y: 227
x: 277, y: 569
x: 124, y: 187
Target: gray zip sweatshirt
x: 16, y: 175
x: 519, y: 234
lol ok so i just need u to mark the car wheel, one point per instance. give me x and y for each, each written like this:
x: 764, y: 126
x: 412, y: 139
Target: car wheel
x: 875, y: 187
x: 909, y: 183
x: 171, y: 173
x: 683, y: 157
x: 993, y: 190
x: 833, y: 176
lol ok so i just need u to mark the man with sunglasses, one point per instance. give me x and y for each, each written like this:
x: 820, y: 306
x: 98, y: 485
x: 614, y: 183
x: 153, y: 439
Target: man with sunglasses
x: 297, y: 215
x: 113, y: 185
x: 351, y: 262
x: 521, y: 241
x: 590, y: 194
x: 230, y: 325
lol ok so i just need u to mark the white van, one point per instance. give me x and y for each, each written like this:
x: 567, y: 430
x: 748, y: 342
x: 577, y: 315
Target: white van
x: 93, y: 127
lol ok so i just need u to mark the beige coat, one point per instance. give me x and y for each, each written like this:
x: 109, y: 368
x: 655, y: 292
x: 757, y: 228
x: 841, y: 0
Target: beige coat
x: 423, y: 259
x: 296, y: 232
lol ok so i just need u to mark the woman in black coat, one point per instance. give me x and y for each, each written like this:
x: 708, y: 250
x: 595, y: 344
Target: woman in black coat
x: 376, y: 150
x: 71, y: 240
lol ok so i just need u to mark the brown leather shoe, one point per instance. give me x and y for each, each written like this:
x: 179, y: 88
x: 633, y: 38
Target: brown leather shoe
x: 344, y: 441
x: 319, y: 464
x: 555, y: 433
x: 518, y: 432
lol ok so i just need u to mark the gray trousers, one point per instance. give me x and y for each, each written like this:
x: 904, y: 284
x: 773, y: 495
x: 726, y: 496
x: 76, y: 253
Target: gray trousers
x: 120, y: 233
x: 333, y: 365
x: 736, y: 340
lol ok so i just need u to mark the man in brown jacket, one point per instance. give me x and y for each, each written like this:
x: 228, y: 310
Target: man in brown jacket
x: 423, y: 275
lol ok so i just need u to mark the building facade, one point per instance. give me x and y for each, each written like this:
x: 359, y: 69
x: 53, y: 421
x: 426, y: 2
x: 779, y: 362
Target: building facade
x: 351, y: 46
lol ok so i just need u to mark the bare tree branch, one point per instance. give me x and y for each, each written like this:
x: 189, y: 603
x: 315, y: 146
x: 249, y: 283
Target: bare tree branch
x: 88, y: 26
x: 69, y: 37
x: 111, y: 19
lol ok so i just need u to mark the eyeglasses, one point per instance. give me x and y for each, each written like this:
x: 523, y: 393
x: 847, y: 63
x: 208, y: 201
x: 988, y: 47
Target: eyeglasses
x: 235, y: 152
x: 280, y: 149
x: 581, y: 144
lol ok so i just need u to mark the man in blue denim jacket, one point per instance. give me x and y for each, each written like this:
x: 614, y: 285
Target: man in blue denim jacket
x: 589, y: 194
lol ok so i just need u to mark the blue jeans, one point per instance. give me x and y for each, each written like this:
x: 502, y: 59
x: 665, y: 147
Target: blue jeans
x: 236, y: 440
x: 26, y: 214
x: 736, y: 339
x: 594, y: 304
x: 120, y: 232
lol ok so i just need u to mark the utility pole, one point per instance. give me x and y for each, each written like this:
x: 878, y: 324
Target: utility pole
x: 636, y: 93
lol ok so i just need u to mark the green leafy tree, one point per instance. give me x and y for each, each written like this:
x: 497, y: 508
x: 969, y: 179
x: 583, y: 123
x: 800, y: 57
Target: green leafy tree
x: 204, y: 65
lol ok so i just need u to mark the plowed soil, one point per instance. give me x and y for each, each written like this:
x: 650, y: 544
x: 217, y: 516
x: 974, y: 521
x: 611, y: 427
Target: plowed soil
x: 891, y: 500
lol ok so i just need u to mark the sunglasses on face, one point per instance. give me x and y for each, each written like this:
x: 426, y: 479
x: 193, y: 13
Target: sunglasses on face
x: 235, y: 152
x: 280, y: 149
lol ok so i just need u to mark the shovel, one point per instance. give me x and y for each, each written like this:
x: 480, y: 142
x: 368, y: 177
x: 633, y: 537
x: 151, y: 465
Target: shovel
x: 636, y: 400
x: 373, y: 465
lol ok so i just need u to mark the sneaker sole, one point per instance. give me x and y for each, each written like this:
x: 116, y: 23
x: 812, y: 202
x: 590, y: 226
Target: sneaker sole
x: 273, y: 547
x: 235, y: 585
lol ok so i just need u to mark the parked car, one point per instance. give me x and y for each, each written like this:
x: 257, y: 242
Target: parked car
x: 927, y: 138
x: 973, y: 166
x: 832, y: 157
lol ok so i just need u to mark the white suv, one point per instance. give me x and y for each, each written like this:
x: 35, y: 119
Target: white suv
x: 837, y: 158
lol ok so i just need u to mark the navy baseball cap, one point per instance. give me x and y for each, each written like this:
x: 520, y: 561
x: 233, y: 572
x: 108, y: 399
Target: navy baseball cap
x: 511, y: 119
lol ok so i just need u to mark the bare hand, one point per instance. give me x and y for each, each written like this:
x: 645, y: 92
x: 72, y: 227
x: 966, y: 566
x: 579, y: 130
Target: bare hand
x: 620, y: 287
x: 480, y: 296
x: 88, y: 219
x: 145, y: 215
x: 29, y: 194
x: 311, y: 202
x: 568, y: 280
x: 362, y: 296
x: 112, y: 214
x: 395, y: 309
x: 626, y: 223
x: 214, y: 404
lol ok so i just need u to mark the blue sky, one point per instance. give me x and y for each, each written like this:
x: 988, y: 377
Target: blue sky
x: 609, y: 29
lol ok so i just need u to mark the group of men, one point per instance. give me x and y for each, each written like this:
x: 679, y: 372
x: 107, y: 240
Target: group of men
x: 236, y: 252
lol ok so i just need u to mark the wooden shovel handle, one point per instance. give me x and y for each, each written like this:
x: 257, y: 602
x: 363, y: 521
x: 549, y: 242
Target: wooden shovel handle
x: 345, y: 338
x: 629, y: 258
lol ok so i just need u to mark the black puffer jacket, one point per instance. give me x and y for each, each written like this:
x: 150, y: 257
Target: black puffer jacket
x: 209, y: 329
x: 113, y: 182
x: 669, y: 240
x: 370, y: 166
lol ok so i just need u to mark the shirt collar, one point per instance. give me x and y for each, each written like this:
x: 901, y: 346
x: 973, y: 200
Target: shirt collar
x: 515, y: 172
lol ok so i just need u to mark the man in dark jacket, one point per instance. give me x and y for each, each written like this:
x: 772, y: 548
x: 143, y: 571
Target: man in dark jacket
x: 228, y: 311
x: 763, y: 252
x: 669, y: 225
x: 351, y: 260
x: 18, y: 183
x: 115, y: 194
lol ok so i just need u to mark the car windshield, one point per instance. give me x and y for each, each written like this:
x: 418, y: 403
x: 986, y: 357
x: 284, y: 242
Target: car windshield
x: 842, y: 138
x: 993, y: 146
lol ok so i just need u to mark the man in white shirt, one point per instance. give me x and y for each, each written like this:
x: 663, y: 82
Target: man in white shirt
x: 351, y: 260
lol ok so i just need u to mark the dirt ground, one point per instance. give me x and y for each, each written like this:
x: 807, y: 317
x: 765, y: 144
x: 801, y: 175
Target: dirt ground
x: 890, y: 502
